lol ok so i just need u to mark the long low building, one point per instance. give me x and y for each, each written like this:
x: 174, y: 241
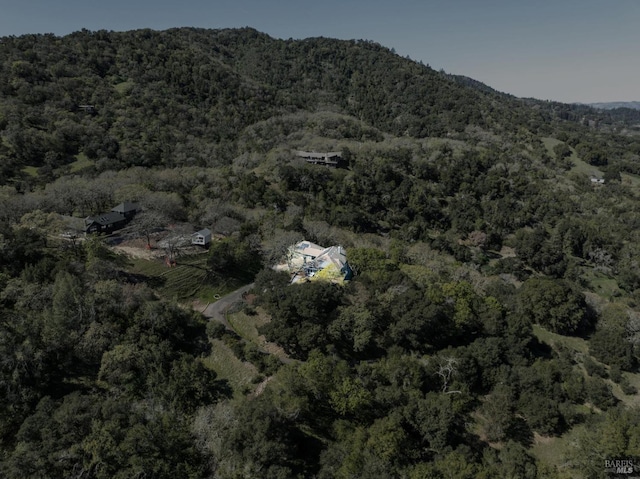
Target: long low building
x: 332, y: 158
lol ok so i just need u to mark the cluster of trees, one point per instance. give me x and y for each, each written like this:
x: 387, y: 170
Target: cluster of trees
x: 99, y: 378
x: 394, y: 371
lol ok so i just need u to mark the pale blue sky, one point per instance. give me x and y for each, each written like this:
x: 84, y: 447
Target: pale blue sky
x: 565, y: 50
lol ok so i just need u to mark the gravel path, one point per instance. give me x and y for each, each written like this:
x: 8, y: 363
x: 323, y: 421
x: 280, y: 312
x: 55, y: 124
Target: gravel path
x: 218, y: 309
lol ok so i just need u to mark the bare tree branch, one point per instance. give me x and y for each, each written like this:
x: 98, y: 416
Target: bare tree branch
x: 448, y: 369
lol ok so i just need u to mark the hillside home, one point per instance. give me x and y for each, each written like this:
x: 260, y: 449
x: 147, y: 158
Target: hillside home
x: 202, y: 237
x: 332, y: 158
x: 112, y: 221
x: 310, y: 262
x: 105, y: 223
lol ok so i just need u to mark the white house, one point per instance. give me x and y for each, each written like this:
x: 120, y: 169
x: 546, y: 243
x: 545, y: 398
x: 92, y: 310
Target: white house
x: 309, y: 262
x: 202, y: 237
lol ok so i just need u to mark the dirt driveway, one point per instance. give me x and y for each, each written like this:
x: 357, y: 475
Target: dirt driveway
x: 216, y: 310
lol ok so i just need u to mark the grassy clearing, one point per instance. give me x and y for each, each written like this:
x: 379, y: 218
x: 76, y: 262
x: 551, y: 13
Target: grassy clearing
x: 124, y: 87
x: 239, y: 374
x: 629, y: 400
x: 30, y: 171
x: 147, y: 267
x: 554, y: 450
x: 582, y: 346
x: 549, y: 450
x: 632, y: 400
x: 579, y: 166
x: 81, y: 163
x: 602, y: 285
x: 549, y: 143
x: 583, y: 167
x: 553, y: 339
x: 183, y: 281
x: 247, y: 327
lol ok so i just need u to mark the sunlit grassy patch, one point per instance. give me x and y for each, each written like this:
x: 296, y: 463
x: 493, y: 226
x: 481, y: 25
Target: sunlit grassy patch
x: 239, y: 374
x: 604, y: 286
x: 81, y: 163
x: 30, y: 170
x: 552, y: 339
x: 124, y: 87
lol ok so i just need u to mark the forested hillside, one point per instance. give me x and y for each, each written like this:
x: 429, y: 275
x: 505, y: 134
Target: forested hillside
x: 490, y: 330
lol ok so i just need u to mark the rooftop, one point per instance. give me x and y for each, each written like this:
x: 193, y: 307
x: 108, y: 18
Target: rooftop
x: 308, y: 262
x: 106, y: 218
x: 125, y: 207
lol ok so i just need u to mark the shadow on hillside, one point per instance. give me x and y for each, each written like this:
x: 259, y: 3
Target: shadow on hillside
x: 520, y: 432
x: 152, y: 281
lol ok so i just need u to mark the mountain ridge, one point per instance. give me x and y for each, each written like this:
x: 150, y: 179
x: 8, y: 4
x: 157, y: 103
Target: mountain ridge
x: 634, y: 105
x: 204, y: 87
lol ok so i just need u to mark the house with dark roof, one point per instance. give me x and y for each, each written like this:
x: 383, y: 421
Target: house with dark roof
x: 105, y: 223
x: 112, y: 221
x: 331, y: 158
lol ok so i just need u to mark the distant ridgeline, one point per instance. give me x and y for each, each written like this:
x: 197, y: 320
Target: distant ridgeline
x: 634, y: 105
x: 193, y: 97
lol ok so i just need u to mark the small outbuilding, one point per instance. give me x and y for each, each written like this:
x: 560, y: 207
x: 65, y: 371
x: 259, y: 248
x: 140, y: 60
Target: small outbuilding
x: 202, y: 237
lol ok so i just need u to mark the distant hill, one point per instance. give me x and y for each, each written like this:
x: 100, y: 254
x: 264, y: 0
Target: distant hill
x: 189, y: 96
x: 635, y: 105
